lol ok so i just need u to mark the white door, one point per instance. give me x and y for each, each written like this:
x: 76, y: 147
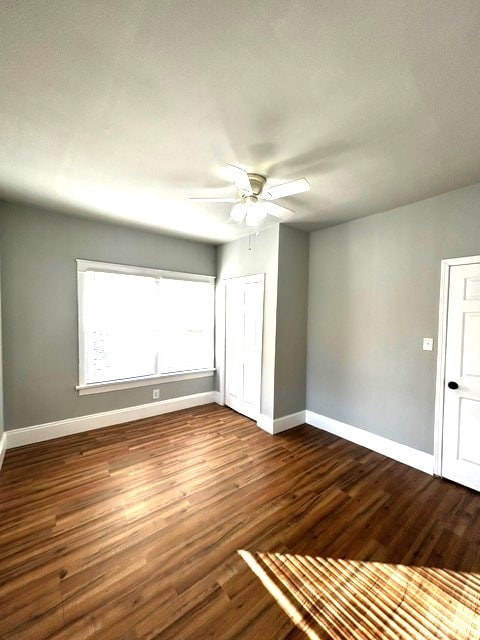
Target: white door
x: 461, y: 416
x: 243, y: 344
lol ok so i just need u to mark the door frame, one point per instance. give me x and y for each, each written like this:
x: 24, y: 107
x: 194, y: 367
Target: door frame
x: 220, y: 331
x: 445, y: 267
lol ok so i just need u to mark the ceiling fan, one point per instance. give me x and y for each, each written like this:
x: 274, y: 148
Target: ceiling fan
x: 254, y: 201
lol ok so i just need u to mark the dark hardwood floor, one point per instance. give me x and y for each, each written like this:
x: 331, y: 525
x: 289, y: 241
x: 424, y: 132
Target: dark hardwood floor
x: 134, y: 531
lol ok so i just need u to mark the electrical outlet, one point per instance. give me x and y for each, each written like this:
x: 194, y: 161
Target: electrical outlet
x: 428, y: 344
x: 156, y: 394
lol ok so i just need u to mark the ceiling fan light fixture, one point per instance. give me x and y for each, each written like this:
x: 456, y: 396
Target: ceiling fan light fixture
x: 251, y: 220
x: 255, y: 215
x: 238, y: 212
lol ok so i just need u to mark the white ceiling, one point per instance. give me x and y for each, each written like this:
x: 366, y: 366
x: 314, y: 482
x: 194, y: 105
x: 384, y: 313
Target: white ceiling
x: 124, y: 108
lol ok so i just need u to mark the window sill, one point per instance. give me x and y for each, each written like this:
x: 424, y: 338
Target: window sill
x: 102, y: 387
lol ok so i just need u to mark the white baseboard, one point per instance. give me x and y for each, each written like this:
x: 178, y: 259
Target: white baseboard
x: 218, y: 398
x: 288, y: 422
x: 265, y: 423
x: 400, y: 452
x: 277, y: 425
x: 3, y: 448
x: 390, y: 448
x: 49, y: 430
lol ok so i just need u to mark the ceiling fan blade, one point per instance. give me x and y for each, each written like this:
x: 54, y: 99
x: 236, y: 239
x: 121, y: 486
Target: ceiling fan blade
x: 214, y: 199
x: 282, y: 213
x: 241, y: 179
x: 286, y: 189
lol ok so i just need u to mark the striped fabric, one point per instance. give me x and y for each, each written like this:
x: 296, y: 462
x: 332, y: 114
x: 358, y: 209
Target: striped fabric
x: 346, y: 599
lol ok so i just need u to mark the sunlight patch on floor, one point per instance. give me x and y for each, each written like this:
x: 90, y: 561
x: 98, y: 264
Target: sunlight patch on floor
x: 347, y: 599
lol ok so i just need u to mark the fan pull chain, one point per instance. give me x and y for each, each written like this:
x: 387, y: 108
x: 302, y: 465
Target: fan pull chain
x: 257, y: 233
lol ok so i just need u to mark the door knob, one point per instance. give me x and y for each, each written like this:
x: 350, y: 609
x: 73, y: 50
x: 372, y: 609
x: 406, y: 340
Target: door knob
x: 452, y: 384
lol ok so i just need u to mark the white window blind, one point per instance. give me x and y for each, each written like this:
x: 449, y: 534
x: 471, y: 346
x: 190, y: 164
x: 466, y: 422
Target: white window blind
x: 186, y: 339
x: 142, y: 325
x: 120, y: 321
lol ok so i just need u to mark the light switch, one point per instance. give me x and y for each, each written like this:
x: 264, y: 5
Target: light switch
x: 428, y: 344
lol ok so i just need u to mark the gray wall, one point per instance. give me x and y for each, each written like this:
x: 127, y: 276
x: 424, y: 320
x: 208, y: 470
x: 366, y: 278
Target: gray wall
x: 235, y: 259
x: 40, y: 350
x: 373, y: 295
x: 291, y: 334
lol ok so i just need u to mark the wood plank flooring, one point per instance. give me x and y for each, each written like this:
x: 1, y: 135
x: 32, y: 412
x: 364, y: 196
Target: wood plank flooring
x: 133, y: 532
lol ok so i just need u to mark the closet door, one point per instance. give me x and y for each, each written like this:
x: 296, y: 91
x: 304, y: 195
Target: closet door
x: 243, y: 344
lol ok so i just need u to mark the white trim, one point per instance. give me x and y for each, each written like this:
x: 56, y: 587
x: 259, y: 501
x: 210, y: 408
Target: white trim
x: 80, y: 329
x: 220, y: 348
x: 3, y: 448
x: 218, y: 398
x: 251, y: 278
x: 111, y: 267
x: 277, y: 425
x: 85, y: 266
x: 440, y: 377
x: 288, y: 422
x: 265, y: 423
x: 400, y: 452
x: 102, y: 387
x: 455, y: 262
x: 445, y: 266
x: 49, y: 430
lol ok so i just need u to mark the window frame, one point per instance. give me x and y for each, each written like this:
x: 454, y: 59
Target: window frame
x: 84, y: 388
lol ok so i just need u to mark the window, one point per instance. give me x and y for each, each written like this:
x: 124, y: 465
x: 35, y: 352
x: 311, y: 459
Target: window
x: 139, y: 325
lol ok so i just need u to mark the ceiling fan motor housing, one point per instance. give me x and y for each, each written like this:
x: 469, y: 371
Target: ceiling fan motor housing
x: 257, y: 182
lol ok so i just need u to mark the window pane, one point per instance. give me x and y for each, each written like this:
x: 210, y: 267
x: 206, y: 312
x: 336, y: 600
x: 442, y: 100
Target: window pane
x: 187, y: 313
x: 120, y: 321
